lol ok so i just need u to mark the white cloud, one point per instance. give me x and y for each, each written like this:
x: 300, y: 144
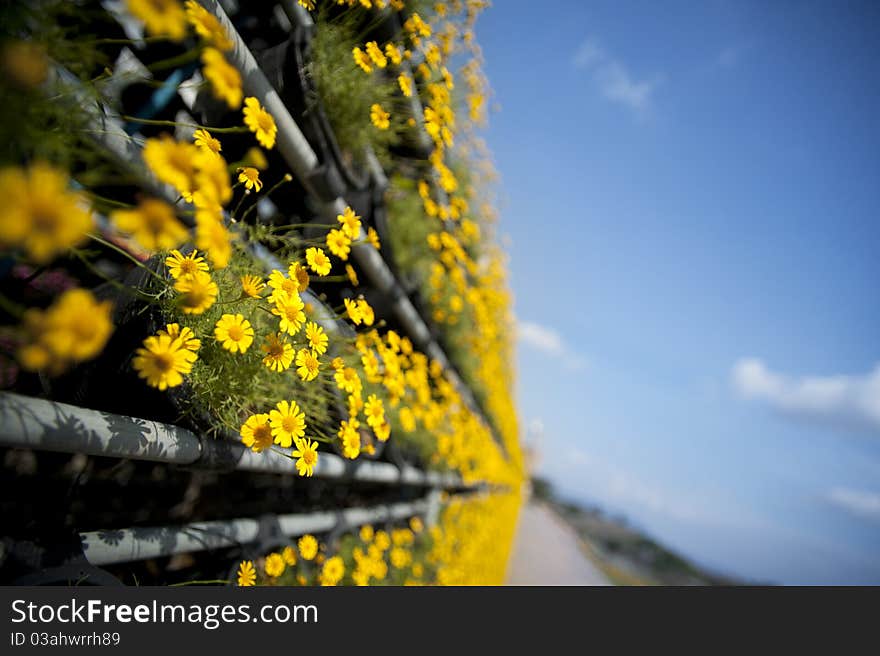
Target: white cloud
x: 550, y: 342
x: 541, y: 337
x: 857, y: 502
x: 848, y: 400
x: 614, y: 485
x: 612, y: 78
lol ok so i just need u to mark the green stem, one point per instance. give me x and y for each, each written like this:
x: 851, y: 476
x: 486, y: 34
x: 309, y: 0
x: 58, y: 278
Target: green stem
x: 240, y: 201
x: 208, y: 582
x: 174, y: 62
x: 128, y: 256
x: 287, y: 178
x: 281, y: 453
x: 301, y: 225
x: 108, y: 201
x: 175, y: 124
x: 11, y: 307
x: 235, y: 300
x: 116, y: 284
x: 146, y: 39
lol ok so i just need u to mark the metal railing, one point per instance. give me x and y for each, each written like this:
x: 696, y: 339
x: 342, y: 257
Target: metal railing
x: 132, y: 544
x: 42, y: 425
x: 30, y: 423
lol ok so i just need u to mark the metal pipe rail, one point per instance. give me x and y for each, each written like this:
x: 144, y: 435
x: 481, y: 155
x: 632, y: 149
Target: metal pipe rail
x: 303, y: 161
x: 31, y: 423
x: 132, y: 544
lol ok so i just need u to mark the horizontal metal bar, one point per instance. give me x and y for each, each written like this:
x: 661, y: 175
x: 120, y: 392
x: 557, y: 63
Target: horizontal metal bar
x: 31, y: 423
x: 298, y: 154
x: 349, y: 517
x: 126, y: 545
x: 131, y: 544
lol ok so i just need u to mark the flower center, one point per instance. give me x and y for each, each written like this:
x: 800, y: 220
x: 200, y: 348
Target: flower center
x: 83, y: 327
x: 289, y: 424
x: 188, y: 266
x: 164, y: 362
x: 310, y: 457
x: 265, y: 122
x: 180, y: 160
x: 236, y: 332
x: 44, y: 221
x: 195, y: 296
x: 262, y: 433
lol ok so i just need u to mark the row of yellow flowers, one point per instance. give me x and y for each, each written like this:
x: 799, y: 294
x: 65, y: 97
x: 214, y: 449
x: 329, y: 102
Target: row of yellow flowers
x: 246, y: 342
x: 469, y: 545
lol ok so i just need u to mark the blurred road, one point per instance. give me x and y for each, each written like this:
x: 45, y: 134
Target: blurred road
x: 547, y: 551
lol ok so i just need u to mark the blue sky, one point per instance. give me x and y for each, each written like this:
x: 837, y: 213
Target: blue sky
x: 692, y: 201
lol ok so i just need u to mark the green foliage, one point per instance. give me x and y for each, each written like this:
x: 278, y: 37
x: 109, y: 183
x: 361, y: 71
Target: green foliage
x: 229, y: 387
x: 346, y: 93
x: 409, y: 228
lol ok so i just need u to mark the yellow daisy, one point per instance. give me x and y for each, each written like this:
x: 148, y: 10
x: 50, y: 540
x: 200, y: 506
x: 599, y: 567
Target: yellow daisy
x: 373, y: 238
x: 279, y: 353
x: 288, y: 423
x: 39, y: 212
x: 256, y: 433
x: 247, y: 574
x: 180, y: 265
x: 152, y: 224
x: 382, y: 431
x: 375, y: 53
x: 339, y: 244
x: 351, y: 223
x: 405, y: 83
x: 289, y: 555
x: 308, y: 547
x: 316, y: 337
x: 224, y: 77
x: 252, y: 285
x: 184, y: 335
x: 374, y: 411
x: 298, y: 272
x: 234, y: 333
x: 213, y: 238
x: 318, y: 261
x: 352, y: 275
x: 379, y: 117
x: 354, y: 312
x: 197, y: 292
x: 250, y: 177
x: 361, y: 59
x: 307, y: 364
x: 160, y: 17
x: 289, y: 307
x: 260, y: 122
x: 162, y: 361
x: 73, y: 329
x: 274, y: 565
x: 332, y: 571
x: 347, y: 379
x: 207, y: 26
x: 306, y: 453
x: 393, y: 53
x: 203, y: 139
x: 172, y: 162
